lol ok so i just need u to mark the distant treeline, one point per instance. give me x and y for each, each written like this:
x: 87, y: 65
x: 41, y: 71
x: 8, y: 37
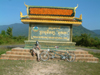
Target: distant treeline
x: 83, y: 40
x: 7, y: 38
x: 87, y: 41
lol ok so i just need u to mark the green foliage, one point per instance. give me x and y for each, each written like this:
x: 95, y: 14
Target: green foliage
x: 81, y: 30
x: 9, y: 39
x: 95, y: 54
x: 82, y: 40
x: 3, y: 50
x: 3, y: 33
x: 1, y: 41
x: 86, y: 40
x: 9, y: 31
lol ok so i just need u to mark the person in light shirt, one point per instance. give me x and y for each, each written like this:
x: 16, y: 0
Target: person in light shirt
x: 36, y: 49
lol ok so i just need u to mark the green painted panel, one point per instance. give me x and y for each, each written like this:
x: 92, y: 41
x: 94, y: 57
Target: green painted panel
x: 50, y: 32
x: 45, y: 45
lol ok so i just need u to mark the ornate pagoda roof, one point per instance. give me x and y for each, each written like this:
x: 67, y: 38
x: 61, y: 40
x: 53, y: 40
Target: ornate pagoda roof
x: 45, y: 14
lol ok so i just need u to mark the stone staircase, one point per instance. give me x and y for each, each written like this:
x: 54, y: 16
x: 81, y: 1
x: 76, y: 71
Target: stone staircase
x: 25, y: 54
x: 18, y: 54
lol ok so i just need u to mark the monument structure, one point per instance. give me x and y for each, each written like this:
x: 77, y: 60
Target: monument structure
x: 51, y: 26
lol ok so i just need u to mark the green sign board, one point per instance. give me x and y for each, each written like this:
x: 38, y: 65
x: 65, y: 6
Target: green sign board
x: 50, y: 32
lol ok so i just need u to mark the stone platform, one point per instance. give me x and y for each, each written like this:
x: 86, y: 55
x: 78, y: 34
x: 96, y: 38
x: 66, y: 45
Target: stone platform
x: 25, y: 54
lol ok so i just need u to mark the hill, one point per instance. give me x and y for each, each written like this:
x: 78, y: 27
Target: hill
x: 80, y: 30
x: 18, y: 29
x: 22, y: 30
x: 96, y: 31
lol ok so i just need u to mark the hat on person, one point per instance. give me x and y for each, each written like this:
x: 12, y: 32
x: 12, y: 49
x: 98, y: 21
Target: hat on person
x: 37, y: 43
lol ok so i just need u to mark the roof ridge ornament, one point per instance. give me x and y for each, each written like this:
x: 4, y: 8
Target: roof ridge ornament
x: 81, y: 16
x: 25, y: 4
x: 76, y: 7
x: 21, y: 15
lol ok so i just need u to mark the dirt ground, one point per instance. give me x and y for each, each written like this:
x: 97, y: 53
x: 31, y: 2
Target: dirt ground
x: 41, y: 68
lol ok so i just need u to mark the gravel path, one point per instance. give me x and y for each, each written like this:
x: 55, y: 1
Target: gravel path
x: 11, y: 46
x: 87, y: 49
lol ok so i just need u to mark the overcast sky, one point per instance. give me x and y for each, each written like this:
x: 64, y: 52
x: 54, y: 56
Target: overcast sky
x: 90, y: 10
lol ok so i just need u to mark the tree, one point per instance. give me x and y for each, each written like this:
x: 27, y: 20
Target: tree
x: 9, y: 31
x: 3, y: 33
x: 85, y: 39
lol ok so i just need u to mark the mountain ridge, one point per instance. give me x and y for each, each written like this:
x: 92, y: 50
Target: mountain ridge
x: 97, y: 31
x: 20, y: 29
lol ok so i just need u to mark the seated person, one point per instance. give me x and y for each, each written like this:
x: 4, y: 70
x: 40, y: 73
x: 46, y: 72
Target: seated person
x: 36, y: 49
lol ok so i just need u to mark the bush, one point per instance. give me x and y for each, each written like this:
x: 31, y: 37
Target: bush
x: 86, y: 40
x: 7, y: 38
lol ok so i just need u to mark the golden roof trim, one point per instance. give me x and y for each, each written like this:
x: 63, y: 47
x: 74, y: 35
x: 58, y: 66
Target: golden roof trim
x: 25, y: 4
x: 76, y: 7
x: 49, y: 21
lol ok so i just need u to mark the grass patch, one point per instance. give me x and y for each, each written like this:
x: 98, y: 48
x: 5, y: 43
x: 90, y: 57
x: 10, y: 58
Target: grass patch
x: 95, y: 54
x: 52, y: 67
x: 14, y: 67
x: 3, y: 50
x: 81, y: 68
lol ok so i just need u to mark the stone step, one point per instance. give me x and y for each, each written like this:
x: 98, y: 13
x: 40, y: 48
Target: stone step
x: 25, y: 54
x: 28, y: 50
x: 21, y: 50
x: 28, y: 53
x: 80, y: 52
x: 27, y: 57
x: 81, y: 59
x: 83, y: 55
x: 6, y: 58
x: 75, y: 52
x: 14, y: 55
x: 18, y: 53
x: 77, y: 55
x: 87, y: 59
